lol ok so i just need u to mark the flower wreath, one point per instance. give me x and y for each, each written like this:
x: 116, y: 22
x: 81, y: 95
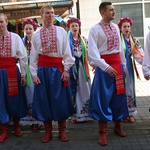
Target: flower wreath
x: 125, y: 19
x: 30, y: 21
x: 71, y: 20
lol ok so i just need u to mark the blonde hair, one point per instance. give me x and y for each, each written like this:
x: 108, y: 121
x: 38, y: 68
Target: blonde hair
x: 5, y: 17
x: 44, y: 7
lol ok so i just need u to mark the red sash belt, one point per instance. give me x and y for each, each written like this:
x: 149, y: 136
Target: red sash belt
x: 115, y: 61
x: 10, y: 65
x: 50, y: 61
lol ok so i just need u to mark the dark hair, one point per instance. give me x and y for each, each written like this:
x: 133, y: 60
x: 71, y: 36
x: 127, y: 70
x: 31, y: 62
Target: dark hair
x: 47, y: 6
x: 103, y: 6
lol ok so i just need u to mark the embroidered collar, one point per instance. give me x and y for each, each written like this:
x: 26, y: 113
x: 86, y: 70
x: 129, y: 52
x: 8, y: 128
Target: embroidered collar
x: 48, y: 39
x: 49, y: 27
x: 112, y: 36
x: 104, y: 23
x: 5, y: 45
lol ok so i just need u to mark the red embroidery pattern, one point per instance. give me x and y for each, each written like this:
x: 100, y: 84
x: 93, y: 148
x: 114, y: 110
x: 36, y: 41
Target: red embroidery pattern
x: 112, y: 36
x: 77, y: 45
x: 28, y: 46
x: 48, y: 39
x: 5, y: 45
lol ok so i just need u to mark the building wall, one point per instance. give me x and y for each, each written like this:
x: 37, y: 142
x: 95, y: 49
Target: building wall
x: 138, y: 10
x: 89, y: 15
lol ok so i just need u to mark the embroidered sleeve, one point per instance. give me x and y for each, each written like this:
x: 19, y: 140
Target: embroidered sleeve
x: 139, y: 54
x: 146, y: 61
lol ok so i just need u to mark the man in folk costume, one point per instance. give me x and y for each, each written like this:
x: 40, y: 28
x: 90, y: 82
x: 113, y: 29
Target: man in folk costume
x: 13, y: 102
x: 146, y: 61
x: 50, y: 61
x: 108, y: 99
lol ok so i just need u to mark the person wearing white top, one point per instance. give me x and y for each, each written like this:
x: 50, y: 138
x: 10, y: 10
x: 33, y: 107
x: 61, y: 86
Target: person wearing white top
x: 50, y: 61
x: 13, y: 104
x: 146, y: 61
x: 107, y: 98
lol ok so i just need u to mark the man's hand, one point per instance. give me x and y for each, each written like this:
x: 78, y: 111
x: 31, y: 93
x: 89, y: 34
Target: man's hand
x: 36, y: 80
x: 125, y: 73
x: 65, y: 76
x: 23, y: 81
x: 93, y: 69
x: 147, y: 77
x: 111, y: 71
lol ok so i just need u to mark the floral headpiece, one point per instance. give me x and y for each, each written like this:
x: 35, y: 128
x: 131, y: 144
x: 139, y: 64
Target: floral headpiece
x: 125, y: 19
x: 30, y: 21
x: 71, y: 20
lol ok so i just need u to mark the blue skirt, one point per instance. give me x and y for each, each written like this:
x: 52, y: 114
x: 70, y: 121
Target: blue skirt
x: 105, y: 104
x: 51, y: 100
x: 11, y: 106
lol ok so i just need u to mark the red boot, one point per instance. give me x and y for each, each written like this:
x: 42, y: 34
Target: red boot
x: 4, y: 135
x: 62, y: 134
x: 17, y: 130
x: 36, y: 126
x: 102, y: 131
x: 48, y: 131
x: 118, y: 129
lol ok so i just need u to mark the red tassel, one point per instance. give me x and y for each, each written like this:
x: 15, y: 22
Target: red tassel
x: 66, y: 83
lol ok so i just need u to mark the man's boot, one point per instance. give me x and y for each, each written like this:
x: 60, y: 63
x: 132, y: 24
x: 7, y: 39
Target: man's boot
x: 17, y: 130
x: 118, y: 128
x: 62, y: 134
x: 4, y: 130
x: 102, y: 132
x: 48, y: 131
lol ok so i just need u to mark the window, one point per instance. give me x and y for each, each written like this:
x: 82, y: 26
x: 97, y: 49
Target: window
x: 121, y: 1
x: 147, y: 10
x: 133, y: 11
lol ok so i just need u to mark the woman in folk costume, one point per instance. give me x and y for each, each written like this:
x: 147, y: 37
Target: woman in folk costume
x: 29, y: 26
x: 13, y: 103
x: 133, y: 51
x: 79, y: 73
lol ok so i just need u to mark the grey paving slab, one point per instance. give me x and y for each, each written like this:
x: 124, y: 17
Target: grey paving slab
x: 84, y: 136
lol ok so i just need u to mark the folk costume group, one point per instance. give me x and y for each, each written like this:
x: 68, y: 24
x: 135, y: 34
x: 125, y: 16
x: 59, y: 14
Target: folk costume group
x: 52, y: 82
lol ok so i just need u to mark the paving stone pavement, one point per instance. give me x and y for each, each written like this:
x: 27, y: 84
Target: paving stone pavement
x: 84, y: 136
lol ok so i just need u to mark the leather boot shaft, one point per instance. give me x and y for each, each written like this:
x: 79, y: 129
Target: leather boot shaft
x: 4, y: 134
x: 61, y: 128
x: 17, y: 130
x: 103, y: 133
x: 48, y: 131
x: 118, y: 128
